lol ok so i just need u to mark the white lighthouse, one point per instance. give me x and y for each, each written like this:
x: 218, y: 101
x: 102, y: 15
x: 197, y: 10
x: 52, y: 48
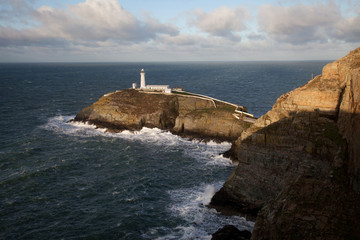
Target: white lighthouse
x: 150, y: 88
x: 142, y: 79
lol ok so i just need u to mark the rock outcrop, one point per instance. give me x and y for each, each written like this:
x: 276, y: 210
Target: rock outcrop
x: 230, y: 232
x: 299, y: 164
x: 186, y: 115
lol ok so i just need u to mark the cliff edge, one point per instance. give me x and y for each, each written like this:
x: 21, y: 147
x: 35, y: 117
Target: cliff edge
x: 185, y: 114
x: 299, y: 164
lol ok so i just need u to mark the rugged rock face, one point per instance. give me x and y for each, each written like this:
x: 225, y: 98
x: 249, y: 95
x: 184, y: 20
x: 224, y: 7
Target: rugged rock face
x: 310, y: 208
x: 130, y: 110
x: 300, y: 162
x: 230, y: 232
x: 185, y: 115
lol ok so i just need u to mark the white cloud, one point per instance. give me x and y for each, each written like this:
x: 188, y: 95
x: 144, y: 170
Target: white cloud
x: 349, y: 29
x: 84, y: 23
x: 298, y: 24
x: 181, y: 40
x: 100, y: 20
x: 302, y: 24
x: 222, y: 22
x: 154, y: 26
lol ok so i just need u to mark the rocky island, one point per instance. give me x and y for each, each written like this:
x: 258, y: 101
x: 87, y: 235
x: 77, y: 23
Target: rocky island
x: 182, y: 113
x: 299, y: 164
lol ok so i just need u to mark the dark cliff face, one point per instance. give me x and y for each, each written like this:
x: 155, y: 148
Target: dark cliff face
x: 299, y: 163
x: 185, y: 115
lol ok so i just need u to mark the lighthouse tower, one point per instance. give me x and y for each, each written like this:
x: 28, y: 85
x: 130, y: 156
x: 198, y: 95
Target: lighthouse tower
x: 142, y: 79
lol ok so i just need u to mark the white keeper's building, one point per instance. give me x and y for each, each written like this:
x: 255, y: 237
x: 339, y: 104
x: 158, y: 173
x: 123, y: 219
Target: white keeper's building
x: 143, y: 86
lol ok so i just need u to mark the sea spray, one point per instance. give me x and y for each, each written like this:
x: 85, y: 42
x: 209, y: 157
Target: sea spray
x: 209, y: 192
x: 207, y: 152
x: 199, y: 220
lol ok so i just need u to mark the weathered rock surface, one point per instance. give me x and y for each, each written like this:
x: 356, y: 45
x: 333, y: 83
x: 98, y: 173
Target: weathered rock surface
x: 230, y: 232
x: 185, y: 115
x: 299, y: 164
x: 309, y: 208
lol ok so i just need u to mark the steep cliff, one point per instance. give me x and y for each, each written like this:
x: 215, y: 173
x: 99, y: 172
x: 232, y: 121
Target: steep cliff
x: 299, y: 164
x: 186, y: 115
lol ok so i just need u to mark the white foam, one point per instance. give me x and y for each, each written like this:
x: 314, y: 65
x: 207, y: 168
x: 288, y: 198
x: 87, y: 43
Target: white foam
x: 61, y: 125
x: 210, y: 154
x: 153, y: 136
x: 186, y: 233
x: 199, y: 221
x: 209, y: 192
x: 207, y: 152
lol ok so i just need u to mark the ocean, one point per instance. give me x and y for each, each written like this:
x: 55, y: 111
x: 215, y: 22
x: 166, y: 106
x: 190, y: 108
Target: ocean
x: 61, y: 180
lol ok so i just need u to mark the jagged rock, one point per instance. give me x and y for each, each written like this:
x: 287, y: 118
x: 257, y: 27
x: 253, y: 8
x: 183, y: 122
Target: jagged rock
x: 312, y: 133
x: 189, y: 116
x: 230, y: 232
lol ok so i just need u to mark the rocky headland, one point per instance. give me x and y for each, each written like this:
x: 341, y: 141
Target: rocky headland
x: 299, y: 164
x: 184, y: 114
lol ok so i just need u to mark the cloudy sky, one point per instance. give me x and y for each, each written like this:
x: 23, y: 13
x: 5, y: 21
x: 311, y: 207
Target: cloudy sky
x: 177, y: 30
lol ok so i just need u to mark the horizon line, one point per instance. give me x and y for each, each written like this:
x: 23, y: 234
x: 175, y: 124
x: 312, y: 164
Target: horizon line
x: 180, y: 61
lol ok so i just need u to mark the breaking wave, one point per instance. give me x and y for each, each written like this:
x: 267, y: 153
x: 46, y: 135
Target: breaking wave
x: 209, y: 152
x: 199, y: 221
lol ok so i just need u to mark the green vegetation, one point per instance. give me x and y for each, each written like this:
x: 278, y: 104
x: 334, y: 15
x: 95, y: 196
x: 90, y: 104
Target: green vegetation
x: 184, y: 93
x: 247, y: 124
x: 225, y: 107
x: 219, y: 105
x: 203, y: 110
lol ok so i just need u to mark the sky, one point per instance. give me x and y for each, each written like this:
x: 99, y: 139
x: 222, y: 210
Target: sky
x: 177, y: 30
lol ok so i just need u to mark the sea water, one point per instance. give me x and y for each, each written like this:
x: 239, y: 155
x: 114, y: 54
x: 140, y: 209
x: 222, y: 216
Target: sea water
x: 61, y: 180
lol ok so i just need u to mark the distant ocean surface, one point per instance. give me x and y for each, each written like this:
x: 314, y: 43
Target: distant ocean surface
x: 62, y: 180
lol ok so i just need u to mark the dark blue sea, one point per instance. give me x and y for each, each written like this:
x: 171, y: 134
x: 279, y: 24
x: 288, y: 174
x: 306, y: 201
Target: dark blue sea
x: 61, y: 180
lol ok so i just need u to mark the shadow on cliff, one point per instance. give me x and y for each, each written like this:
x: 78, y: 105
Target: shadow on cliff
x: 297, y: 175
